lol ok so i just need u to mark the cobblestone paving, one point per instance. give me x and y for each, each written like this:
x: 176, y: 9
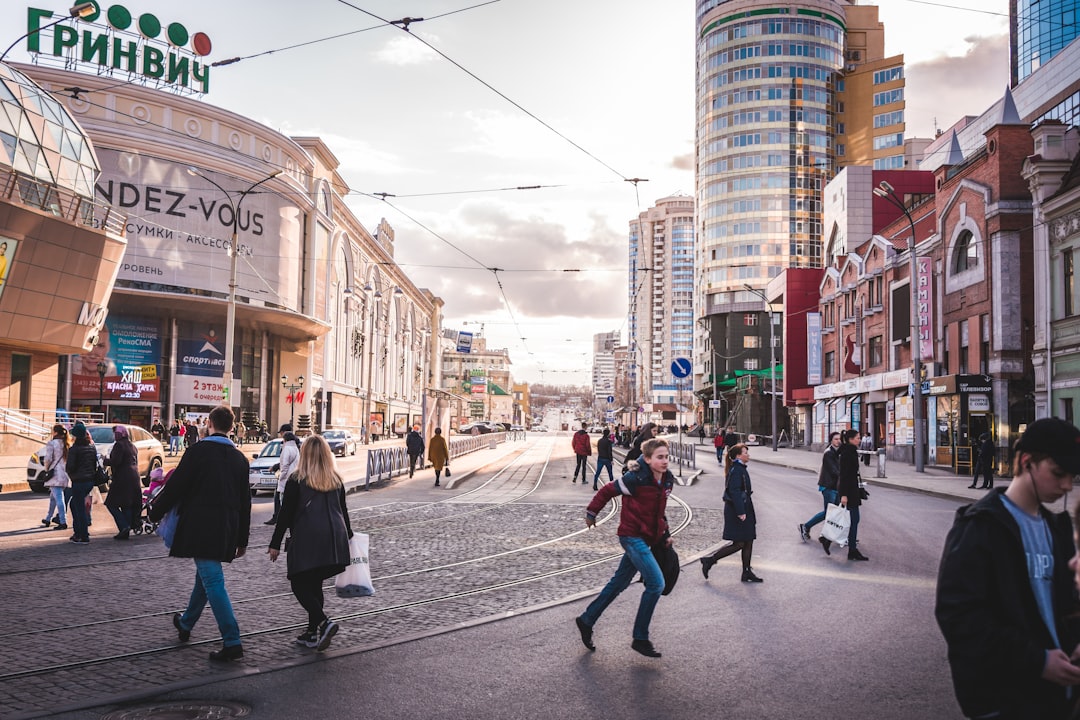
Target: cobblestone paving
x: 94, y: 606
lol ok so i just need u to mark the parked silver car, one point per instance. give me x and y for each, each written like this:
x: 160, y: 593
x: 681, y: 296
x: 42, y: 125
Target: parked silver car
x: 151, y: 453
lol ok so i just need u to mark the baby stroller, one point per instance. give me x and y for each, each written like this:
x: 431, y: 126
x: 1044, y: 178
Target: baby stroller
x: 157, y: 482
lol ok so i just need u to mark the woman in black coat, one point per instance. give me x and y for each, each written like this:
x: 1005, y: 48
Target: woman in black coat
x: 647, y: 432
x: 124, y: 500
x: 81, y: 466
x: 740, y: 520
x: 850, y: 492
x: 313, y: 509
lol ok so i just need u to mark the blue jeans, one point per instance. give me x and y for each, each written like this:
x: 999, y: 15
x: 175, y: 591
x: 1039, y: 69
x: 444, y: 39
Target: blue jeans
x: 637, y: 558
x: 174, y: 444
x: 76, y: 495
x: 832, y: 497
x: 853, y: 532
x: 56, y: 503
x: 602, y: 463
x: 210, y: 586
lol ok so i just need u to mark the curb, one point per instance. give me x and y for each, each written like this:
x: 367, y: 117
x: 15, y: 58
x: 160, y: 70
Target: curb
x: 881, y: 482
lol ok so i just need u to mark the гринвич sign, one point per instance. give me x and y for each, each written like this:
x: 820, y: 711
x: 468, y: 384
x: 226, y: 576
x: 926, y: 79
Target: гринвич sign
x: 165, y: 55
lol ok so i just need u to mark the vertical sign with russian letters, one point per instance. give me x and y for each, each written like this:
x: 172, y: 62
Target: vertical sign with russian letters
x: 813, y: 348
x: 924, y: 308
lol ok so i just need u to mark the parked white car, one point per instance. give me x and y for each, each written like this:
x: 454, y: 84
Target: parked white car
x: 264, y: 466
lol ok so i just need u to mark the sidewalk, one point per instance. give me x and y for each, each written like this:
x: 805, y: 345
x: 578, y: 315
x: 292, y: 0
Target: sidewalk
x: 938, y: 482
x: 13, y: 467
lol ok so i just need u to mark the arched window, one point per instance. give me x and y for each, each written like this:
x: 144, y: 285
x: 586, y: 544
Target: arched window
x: 965, y: 253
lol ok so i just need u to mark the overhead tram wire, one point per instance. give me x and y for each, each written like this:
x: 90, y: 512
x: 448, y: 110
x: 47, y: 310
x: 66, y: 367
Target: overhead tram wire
x: 404, y: 25
x: 231, y: 61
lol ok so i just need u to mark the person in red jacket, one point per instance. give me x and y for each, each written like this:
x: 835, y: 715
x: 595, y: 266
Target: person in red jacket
x: 642, y: 525
x: 582, y: 445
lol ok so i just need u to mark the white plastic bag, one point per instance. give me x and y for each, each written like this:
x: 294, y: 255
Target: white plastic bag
x: 356, y: 580
x: 837, y: 524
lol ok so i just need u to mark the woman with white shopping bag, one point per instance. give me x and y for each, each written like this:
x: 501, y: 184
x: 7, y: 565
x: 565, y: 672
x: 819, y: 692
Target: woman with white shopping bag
x: 314, y: 512
x: 850, y: 492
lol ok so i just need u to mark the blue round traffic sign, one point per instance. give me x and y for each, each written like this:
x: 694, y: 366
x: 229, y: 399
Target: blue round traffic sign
x: 680, y: 368
x: 610, y: 399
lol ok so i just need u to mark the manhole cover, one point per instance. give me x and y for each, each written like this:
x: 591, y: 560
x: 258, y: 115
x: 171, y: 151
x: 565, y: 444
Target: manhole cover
x: 193, y: 710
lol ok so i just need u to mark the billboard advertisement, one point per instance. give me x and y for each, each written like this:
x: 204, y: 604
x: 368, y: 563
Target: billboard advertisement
x: 813, y: 348
x: 180, y: 226
x: 129, y: 350
x: 200, y: 367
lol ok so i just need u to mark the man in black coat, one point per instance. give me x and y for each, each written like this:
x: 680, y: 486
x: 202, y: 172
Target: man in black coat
x: 414, y: 446
x: 1006, y: 597
x: 209, y: 489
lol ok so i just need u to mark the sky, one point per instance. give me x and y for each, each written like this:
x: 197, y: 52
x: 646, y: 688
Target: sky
x: 574, y: 97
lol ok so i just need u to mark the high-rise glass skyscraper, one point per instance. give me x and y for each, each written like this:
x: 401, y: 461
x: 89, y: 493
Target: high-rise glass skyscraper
x: 787, y: 93
x: 1038, y: 30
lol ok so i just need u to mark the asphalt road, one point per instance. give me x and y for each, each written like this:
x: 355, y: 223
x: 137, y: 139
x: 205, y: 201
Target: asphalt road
x: 820, y: 638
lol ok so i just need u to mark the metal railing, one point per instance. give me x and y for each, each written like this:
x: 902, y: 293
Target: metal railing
x: 38, y: 424
x: 388, y: 462
x: 29, y: 191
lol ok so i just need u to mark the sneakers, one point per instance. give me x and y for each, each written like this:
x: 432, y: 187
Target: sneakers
x: 586, y: 633
x: 748, y: 576
x: 228, y: 653
x: 825, y: 543
x: 804, y: 532
x: 181, y: 634
x: 645, y: 647
x: 325, y: 632
x: 854, y: 554
x: 308, y: 638
x: 706, y: 566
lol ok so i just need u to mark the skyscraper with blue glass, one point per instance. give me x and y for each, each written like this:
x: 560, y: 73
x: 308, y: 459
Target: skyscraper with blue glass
x: 1038, y: 30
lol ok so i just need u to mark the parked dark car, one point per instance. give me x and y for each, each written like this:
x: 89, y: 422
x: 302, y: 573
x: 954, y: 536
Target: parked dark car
x: 341, y: 442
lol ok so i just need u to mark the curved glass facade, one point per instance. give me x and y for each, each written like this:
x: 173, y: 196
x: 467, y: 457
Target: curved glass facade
x: 766, y: 77
x: 1040, y: 29
x: 39, y: 138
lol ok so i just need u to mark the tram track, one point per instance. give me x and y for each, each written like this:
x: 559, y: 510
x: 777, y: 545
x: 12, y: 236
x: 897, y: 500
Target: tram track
x: 444, y: 573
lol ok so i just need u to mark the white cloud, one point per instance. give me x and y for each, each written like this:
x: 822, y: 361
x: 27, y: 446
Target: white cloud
x: 403, y: 50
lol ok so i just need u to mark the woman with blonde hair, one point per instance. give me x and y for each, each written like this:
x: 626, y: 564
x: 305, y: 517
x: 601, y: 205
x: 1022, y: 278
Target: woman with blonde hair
x: 314, y: 512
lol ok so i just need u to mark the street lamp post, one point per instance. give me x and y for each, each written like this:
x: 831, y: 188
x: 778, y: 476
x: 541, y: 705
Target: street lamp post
x: 230, y: 318
x: 80, y: 11
x: 376, y: 295
x: 772, y: 360
x: 291, y: 388
x: 886, y: 191
x: 102, y: 368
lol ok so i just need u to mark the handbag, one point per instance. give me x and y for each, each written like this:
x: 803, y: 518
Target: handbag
x: 837, y: 524
x: 355, y: 580
x: 166, y: 529
x: 448, y: 470
x: 101, y: 477
x: 668, y: 560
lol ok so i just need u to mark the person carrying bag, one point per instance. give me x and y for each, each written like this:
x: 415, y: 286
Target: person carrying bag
x: 314, y: 512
